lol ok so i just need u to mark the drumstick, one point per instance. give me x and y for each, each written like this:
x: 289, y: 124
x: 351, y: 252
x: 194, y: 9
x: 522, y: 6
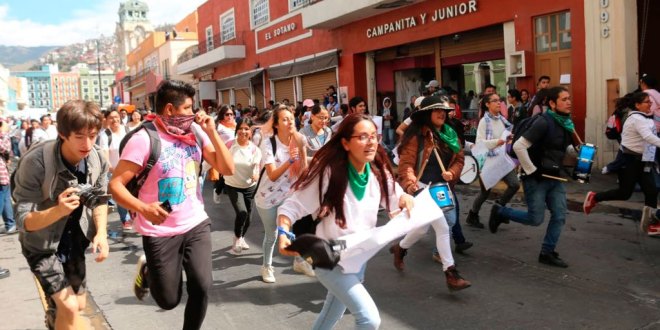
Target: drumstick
x: 554, y: 177
x: 442, y: 166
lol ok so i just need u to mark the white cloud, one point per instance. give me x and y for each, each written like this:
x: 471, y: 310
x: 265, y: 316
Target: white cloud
x: 85, y: 24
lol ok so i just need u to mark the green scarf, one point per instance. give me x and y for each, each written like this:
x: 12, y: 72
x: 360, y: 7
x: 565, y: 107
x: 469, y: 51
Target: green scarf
x: 449, y: 136
x: 358, y: 182
x: 563, y: 121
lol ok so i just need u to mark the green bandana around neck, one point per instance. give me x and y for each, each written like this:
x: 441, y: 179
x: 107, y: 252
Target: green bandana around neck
x: 563, y: 121
x: 449, y: 136
x: 358, y: 182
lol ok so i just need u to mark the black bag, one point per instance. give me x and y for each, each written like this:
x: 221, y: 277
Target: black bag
x: 522, y: 127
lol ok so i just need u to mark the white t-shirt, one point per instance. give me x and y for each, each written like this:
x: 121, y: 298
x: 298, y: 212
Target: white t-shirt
x: 227, y: 135
x: 271, y: 194
x: 50, y: 132
x: 113, y: 147
x: 246, y: 165
x: 306, y: 117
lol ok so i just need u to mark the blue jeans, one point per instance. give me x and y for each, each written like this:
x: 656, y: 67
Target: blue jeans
x: 5, y: 207
x: 388, y: 137
x: 346, y: 291
x: 269, y: 220
x: 540, y: 193
x: 123, y: 214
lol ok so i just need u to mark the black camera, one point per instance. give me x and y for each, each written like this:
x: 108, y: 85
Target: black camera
x: 91, y: 196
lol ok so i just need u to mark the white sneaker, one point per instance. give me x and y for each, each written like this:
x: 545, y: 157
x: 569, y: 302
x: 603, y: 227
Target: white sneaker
x: 244, y: 244
x: 236, y: 248
x: 647, y: 218
x: 303, y: 267
x: 605, y: 170
x: 268, y: 274
x: 216, y: 198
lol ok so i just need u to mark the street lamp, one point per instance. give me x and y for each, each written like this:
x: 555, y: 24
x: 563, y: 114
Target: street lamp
x: 98, y: 68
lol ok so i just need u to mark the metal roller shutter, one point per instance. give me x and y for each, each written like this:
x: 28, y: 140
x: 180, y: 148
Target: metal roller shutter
x: 315, y: 84
x: 225, y: 97
x: 284, y: 90
x: 242, y: 96
x: 481, y: 40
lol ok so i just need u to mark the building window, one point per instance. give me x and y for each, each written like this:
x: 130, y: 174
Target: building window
x: 166, y: 69
x: 259, y: 12
x: 85, y: 82
x: 553, y: 32
x: 105, y: 82
x: 297, y: 4
x: 227, y: 26
x: 209, y: 38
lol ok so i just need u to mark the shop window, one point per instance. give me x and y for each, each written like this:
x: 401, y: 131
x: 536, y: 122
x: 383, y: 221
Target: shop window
x: 228, y: 26
x: 209, y: 38
x: 259, y: 12
x: 297, y: 4
x: 553, y: 32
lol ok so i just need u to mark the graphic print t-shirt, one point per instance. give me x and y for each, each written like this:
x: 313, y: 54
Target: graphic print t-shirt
x: 173, y: 178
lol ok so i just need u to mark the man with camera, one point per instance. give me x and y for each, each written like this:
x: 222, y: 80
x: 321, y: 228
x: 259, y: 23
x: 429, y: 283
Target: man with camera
x: 56, y: 219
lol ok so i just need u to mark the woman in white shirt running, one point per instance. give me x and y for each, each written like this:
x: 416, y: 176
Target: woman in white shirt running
x: 355, y: 178
x: 241, y: 186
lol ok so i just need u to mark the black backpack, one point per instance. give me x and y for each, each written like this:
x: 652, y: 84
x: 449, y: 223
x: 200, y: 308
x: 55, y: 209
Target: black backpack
x: 523, y: 126
x: 135, y: 184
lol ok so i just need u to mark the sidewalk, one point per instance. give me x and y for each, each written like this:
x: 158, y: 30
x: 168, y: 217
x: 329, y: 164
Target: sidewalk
x: 575, y: 193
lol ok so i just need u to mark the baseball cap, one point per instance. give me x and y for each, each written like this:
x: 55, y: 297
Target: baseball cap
x: 308, y: 103
x: 433, y: 83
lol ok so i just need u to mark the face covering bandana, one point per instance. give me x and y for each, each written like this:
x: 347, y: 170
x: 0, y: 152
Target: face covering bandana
x: 178, y: 127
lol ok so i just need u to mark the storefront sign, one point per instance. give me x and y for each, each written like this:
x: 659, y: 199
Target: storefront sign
x: 436, y: 15
x: 280, y: 33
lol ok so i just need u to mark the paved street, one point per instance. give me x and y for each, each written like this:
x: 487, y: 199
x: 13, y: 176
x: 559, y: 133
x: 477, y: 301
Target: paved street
x: 612, y: 281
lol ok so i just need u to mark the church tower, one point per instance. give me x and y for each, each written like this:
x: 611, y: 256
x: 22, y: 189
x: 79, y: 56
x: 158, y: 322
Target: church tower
x: 133, y: 27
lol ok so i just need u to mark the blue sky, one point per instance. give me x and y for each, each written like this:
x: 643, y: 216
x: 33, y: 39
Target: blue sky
x: 63, y: 22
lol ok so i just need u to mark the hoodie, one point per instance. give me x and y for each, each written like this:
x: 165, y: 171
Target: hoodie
x: 388, y: 111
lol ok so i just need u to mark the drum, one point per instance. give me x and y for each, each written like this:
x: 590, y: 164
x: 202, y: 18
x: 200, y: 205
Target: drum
x: 585, y: 160
x: 441, y: 194
x: 470, y: 170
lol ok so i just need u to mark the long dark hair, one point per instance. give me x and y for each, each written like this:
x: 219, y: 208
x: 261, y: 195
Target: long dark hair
x: 540, y: 99
x: 333, y: 156
x: 421, y: 120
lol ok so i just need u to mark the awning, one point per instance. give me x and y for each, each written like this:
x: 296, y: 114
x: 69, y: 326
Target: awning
x: 239, y: 81
x: 308, y: 65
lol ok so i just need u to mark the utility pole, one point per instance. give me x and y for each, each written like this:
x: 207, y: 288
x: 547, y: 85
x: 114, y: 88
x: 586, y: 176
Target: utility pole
x: 98, y: 67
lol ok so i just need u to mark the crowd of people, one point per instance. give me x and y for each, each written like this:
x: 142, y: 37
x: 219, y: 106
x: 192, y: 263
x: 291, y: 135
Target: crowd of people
x: 319, y: 167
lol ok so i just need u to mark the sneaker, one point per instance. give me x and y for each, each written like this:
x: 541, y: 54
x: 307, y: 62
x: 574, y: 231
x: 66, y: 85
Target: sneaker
x: 268, y: 274
x: 473, y: 220
x: 11, y: 230
x: 654, y: 230
x: 127, y: 226
x: 552, y: 259
x: 589, y: 202
x: 398, y: 252
x: 244, y: 244
x: 647, y: 218
x: 236, y: 248
x: 140, y: 285
x: 454, y: 280
x: 303, y: 267
x: 216, y: 198
x: 460, y: 248
x: 495, y: 219
x: 605, y: 170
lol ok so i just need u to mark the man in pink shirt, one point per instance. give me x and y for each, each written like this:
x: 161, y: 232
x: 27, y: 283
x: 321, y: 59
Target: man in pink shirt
x: 169, y: 212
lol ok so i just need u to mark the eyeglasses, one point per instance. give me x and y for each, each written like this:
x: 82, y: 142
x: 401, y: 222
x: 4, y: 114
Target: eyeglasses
x: 366, y: 138
x: 323, y: 118
x: 495, y: 100
x: 228, y: 114
x: 648, y: 102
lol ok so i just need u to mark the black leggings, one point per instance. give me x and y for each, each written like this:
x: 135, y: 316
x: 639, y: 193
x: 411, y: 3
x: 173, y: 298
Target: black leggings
x: 167, y: 257
x: 632, y: 172
x: 241, y: 200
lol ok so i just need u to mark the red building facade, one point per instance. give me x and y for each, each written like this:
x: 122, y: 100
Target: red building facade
x: 291, y: 52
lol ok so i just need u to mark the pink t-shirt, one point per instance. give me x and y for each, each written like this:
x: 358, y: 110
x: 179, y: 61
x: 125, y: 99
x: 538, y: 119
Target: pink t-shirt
x: 173, y: 178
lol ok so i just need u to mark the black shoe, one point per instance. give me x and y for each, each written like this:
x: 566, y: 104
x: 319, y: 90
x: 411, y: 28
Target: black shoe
x: 4, y: 273
x: 459, y: 248
x: 495, y: 219
x: 473, y: 220
x: 552, y: 259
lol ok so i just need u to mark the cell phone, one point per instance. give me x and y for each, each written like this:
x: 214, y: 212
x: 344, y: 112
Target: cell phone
x: 166, y: 206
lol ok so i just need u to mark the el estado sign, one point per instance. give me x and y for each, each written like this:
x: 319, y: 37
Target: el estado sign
x: 437, y: 15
